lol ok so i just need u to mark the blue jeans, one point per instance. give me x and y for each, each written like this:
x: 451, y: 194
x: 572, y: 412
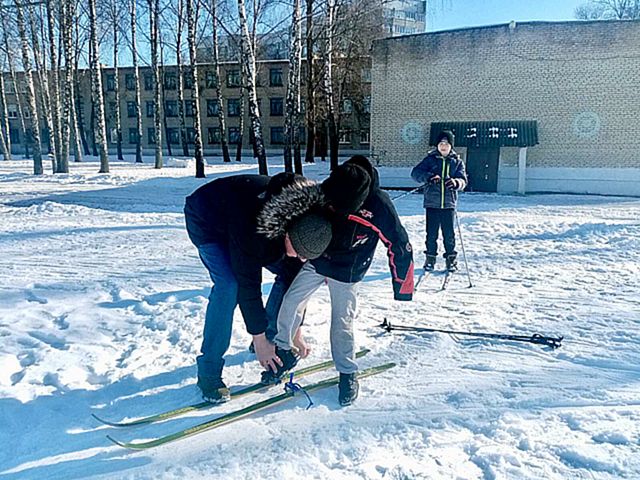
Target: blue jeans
x: 223, y: 300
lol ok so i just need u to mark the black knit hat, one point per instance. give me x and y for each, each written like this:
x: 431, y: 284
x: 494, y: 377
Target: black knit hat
x: 310, y: 235
x: 446, y: 135
x: 347, y: 187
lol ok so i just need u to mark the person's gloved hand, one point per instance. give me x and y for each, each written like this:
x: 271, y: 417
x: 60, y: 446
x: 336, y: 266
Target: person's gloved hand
x: 435, y: 179
x: 452, y: 183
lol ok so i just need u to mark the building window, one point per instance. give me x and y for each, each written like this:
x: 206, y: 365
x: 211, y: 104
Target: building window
x: 277, y: 135
x: 191, y: 135
x: 276, y: 107
x: 148, y: 82
x: 171, y: 108
x: 233, y: 78
x: 150, y: 109
x: 233, y: 107
x: 210, y: 79
x: 12, y: 110
x: 234, y: 135
x: 111, y: 82
x: 173, y: 136
x: 214, y: 135
x: 212, y: 108
x: 365, y: 74
x: 170, y: 81
x: 345, y: 137
x: 347, y: 106
x: 130, y: 81
x: 113, y: 135
x: 131, y: 109
x: 364, y: 136
x: 112, y: 109
x: 187, y: 78
x: 151, y: 136
x: 366, y: 104
x: 133, y: 136
x: 275, y: 77
x: 189, y: 108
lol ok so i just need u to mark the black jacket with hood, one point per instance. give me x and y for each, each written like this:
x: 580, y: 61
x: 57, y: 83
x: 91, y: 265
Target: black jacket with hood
x: 226, y: 210
x: 438, y: 195
x: 356, y: 236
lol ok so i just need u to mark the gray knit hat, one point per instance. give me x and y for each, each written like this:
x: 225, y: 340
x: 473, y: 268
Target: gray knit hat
x: 310, y: 235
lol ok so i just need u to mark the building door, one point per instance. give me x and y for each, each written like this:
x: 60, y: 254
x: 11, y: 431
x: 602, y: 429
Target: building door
x: 482, y: 169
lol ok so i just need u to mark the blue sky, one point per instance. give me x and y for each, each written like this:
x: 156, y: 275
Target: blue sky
x: 448, y: 14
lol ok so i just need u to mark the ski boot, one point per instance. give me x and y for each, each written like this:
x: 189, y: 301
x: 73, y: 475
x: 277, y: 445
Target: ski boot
x: 289, y: 361
x: 213, y: 389
x: 348, y: 388
x: 430, y: 263
x: 452, y: 263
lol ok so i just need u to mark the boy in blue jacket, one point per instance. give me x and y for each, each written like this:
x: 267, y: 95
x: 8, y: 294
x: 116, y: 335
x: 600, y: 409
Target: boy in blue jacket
x: 443, y: 173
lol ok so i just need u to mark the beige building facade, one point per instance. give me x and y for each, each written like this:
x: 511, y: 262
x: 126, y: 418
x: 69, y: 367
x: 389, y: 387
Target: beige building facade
x: 536, y: 107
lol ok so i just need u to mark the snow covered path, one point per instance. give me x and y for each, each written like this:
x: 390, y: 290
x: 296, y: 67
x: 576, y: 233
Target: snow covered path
x: 101, y: 305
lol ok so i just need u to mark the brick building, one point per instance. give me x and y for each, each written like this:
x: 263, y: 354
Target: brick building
x: 536, y: 106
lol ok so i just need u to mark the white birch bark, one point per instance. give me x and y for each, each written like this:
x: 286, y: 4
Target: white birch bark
x: 154, y: 14
x: 216, y: 67
x: 195, y: 91
x: 293, y: 88
x: 136, y: 74
x: 5, y: 132
x: 115, y: 14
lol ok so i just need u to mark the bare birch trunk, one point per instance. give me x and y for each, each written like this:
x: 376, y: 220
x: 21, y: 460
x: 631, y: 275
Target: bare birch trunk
x: 118, y: 119
x: 154, y: 14
x: 310, y: 98
x: 243, y: 75
x: 216, y: 66
x: 195, y: 91
x: 31, y: 100
x: 5, y: 132
x: 328, y: 84
x: 54, y: 91
x: 67, y: 117
x: 293, y: 89
x: 183, y: 127
x: 100, y: 131
x: 250, y: 64
x: 136, y: 75
x: 76, y: 92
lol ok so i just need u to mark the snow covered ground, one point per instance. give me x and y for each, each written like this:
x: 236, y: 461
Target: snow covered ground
x: 101, y: 307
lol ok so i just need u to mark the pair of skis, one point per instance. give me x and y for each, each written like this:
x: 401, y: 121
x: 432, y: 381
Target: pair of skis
x: 235, y: 415
x: 445, y: 281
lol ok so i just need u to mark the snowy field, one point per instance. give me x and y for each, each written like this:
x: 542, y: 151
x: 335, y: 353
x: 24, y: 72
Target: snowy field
x: 102, y: 299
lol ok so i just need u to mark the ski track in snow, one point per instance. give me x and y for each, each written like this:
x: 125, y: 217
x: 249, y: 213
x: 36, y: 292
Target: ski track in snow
x: 102, y: 299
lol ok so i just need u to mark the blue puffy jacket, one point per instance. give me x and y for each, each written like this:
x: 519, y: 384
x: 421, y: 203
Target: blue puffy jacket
x: 438, y: 195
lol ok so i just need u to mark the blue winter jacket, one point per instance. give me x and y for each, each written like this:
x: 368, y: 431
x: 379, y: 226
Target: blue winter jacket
x: 438, y: 195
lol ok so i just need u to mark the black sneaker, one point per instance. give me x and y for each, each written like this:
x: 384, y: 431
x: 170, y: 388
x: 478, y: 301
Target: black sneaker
x: 452, y: 263
x: 430, y: 263
x: 289, y: 361
x: 213, y: 389
x: 348, y: 388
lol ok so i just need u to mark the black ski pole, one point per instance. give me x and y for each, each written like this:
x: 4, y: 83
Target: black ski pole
x: 464, y: 254
x: 402, y: 195
x: 536, y: 338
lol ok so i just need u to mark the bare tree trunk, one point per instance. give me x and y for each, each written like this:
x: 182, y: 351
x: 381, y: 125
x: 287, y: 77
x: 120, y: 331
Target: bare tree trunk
x: 216, y: 66
x: 75, y: 131
x: 76, y: 92
x: 243, y: 74
x: 100, y: 132
x: 67, y: 117
x: 163, y: 99
x: 250, y: 64
x: 31, y: 100
x: 54, y: 91
x: 5, y: 132
x: 43, y: 89
x: 293, y: 88
x: 154, y: 14
x: 14, y: 84
x: 195, y: 91
x: 118, y: 119
x: 136, y: 76
x: 183, y: 127
x: 310, y: 98
x: 328, y: 84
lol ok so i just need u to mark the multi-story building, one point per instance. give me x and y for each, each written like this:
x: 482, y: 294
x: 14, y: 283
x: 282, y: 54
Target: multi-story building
x: 271, y: 89
x: 402, y: 17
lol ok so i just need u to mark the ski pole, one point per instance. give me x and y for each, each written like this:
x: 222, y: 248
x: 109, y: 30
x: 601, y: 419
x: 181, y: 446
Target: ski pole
x: 464, y: 254
x: 402, y: 195
x: 536, y: 338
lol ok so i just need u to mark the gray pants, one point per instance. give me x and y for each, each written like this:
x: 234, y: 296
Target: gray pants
x: 343, y: 311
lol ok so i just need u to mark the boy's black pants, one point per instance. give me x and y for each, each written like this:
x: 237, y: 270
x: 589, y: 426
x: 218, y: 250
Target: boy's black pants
x: 441, y: 219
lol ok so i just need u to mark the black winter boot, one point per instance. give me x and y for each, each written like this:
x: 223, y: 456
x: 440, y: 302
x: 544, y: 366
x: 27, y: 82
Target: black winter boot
x: 452, y: 263
x: 289, y: 361
x: 213, y: 389
x: 430, y: 263
x: 348, y: 388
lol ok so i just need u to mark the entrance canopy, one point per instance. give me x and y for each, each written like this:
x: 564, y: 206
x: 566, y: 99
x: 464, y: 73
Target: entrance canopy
x: 504, y: 133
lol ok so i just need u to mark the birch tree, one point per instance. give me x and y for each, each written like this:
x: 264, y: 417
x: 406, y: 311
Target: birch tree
x: 114, y: 19
x: 98, y: 98
x: 195, y: 91
x: 183, y: 127
x: 293, y: 90
x: 216, y: 67
x: 310, y: 97
x: 249, y: 63
x: 54, y: 91
x: 30, y: 94
x: 66, y: 113
x: 154, y: 17
x: 5, y: 132
x: 136, y: 75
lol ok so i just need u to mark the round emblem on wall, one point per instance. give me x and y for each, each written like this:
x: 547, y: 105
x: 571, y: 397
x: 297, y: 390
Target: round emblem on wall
x: 586, y: 124
x: 412, y: 133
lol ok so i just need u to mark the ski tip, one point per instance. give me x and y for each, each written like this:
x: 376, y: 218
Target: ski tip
x: 117, y: 442
x: 115, y: 424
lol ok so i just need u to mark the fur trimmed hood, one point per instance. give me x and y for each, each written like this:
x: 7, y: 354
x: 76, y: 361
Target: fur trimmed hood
x: 296, y: 199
